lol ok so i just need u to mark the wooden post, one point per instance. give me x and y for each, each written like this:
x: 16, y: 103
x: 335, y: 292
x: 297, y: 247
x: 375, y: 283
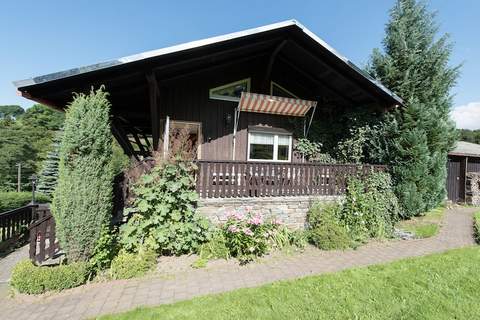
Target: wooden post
x: 154, y: 111
x: 19, y: 177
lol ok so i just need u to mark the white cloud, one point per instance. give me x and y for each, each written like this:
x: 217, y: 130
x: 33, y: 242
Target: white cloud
x: 467, y: 116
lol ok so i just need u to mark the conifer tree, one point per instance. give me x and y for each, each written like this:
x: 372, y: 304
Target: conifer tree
x: 414, y: 63
x: 47, y: 180
x: 82, y: 201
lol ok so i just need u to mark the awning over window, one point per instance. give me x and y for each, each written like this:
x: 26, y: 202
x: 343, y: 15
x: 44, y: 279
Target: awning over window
x: 260, y: 103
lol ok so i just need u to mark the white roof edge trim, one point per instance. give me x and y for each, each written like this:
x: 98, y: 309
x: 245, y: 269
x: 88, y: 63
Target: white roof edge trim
x: 209, y: 41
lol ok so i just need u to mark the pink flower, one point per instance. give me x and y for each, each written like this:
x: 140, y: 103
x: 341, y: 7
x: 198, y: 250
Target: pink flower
x: 257, y: 220
x: 248, y: 232
x: 232, y: 229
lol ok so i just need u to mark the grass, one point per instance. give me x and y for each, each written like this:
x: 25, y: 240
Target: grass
x: 424, y: 226
x: 419, y: 288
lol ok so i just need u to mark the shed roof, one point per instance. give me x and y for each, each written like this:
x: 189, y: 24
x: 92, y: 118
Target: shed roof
x: 43, y: 88
x: 467, y: 149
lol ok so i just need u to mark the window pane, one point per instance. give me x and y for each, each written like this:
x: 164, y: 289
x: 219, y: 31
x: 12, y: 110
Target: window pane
x: 261, y: 151
x: 261, y: 138
x: 283, y: 140
x: 233, y: 90
x: 282, y: 152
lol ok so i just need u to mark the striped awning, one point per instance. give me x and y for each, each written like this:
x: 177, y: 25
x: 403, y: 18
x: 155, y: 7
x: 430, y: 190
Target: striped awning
x: 261, y: 103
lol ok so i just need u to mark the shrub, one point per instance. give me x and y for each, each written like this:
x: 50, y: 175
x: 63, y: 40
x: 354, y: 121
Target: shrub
x: 248, y: 236
x: 476, y: 226
x: 325, y: 230
x: 130, y: 265
x: 82, y: 201
x: 105, y: 250
x: 370, y: 208
x: 215, y: 248
x: 164, y: 217
x: 31, y: 279
x: 11, y: 200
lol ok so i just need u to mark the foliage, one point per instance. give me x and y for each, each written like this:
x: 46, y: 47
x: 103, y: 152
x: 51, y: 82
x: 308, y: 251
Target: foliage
x: 120, y: 160
x: 131, y: 265
x: 15, y: 148
x: 308, y: 149
x: 418, y: 288
x: 48, y: 177
x: 467, y: 135
x: 325, y: 231
x: 30, y: 279
x: 13, y: 200
x: 106, y: 249
x: 10, y: 111
x: 371, y: 208
x: 476, y: 226
x: 215, y: 248
x: 415, y: 140
x: 248, y: 236
x: 82, y: 201
x: 164, y: 217
x: 352, y: 148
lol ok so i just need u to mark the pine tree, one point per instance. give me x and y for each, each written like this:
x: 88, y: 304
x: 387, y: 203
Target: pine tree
x: 415, y: 65
x: 47, y: 180
x: 82, y: 201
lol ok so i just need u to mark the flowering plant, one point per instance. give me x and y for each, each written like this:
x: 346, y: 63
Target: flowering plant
x: 248, y: 235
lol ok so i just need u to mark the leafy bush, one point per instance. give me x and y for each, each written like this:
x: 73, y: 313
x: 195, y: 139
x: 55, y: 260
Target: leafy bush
x: 12, y: 200
x: 164, y: 217
x: 325, y: 231
x: 130, y: 265
x: 105, y: 250
x: 370, y: 208
x: 307, y: 148
x: 82, y: 201
x: 215, y: 248
x: 476, y: 226
x: 31, y: 279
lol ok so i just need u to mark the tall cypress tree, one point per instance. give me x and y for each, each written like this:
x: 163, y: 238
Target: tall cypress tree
x: 82, y: 201
x: 414, y: 63
x: 47, y: 180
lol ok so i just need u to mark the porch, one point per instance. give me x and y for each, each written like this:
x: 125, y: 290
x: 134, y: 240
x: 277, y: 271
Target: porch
x: 240, y: 179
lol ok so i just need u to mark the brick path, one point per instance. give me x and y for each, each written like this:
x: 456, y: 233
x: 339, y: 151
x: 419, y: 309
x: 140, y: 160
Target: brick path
x: 117, y: 296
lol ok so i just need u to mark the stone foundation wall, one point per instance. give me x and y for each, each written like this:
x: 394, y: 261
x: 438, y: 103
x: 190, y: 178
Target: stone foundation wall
x: 291, y: 211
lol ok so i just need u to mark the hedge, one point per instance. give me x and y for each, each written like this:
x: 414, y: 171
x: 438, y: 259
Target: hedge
x: 31, y: 279
x: 476, y: 226
x: 12, y: 200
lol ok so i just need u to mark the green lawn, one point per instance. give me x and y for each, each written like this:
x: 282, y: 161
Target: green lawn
x: 424, y: 226
x: 441, y: 286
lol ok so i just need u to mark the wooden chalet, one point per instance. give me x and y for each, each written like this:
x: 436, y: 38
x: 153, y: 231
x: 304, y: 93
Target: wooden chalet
x: 236, y: 94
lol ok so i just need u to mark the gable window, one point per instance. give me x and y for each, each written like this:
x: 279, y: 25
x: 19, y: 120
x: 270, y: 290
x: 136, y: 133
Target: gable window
x: 230, y: 91
x: 279, y: 91
x: 264, y: 146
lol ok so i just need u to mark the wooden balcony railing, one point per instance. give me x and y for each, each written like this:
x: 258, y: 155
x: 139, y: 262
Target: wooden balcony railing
x: 233, y: 179
x: 14, y: 225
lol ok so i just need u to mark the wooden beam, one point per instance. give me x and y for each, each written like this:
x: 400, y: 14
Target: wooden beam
x: 318, y: 81
x: 271, y: 61
x: 122, y: 139
x: 154, y: 94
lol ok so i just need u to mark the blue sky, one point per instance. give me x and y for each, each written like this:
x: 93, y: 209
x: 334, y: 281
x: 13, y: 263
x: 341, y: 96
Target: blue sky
x: 40, y: 37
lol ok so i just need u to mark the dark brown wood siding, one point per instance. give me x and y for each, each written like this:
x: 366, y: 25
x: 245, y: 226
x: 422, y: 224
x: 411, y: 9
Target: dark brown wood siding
x: 188, y: 100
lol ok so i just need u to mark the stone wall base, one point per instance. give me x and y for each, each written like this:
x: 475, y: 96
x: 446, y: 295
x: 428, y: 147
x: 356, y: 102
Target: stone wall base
x: 291, y: 211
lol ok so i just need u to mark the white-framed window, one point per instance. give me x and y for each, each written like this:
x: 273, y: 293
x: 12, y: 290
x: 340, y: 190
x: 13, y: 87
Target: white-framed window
x: 279, y: 91
x: 230, y: 91
x: 264, y: 146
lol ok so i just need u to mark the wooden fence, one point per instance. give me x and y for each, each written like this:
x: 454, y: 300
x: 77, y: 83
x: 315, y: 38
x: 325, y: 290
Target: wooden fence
x: 231, y: 179
x: 43, y: 243
x: 14, y: 225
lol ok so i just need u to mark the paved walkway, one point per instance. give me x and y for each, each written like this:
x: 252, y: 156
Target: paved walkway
x: 117, y: 296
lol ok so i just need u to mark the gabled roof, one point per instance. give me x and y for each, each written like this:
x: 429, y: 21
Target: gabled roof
x: 468, y: 149
x: 28, y: 85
